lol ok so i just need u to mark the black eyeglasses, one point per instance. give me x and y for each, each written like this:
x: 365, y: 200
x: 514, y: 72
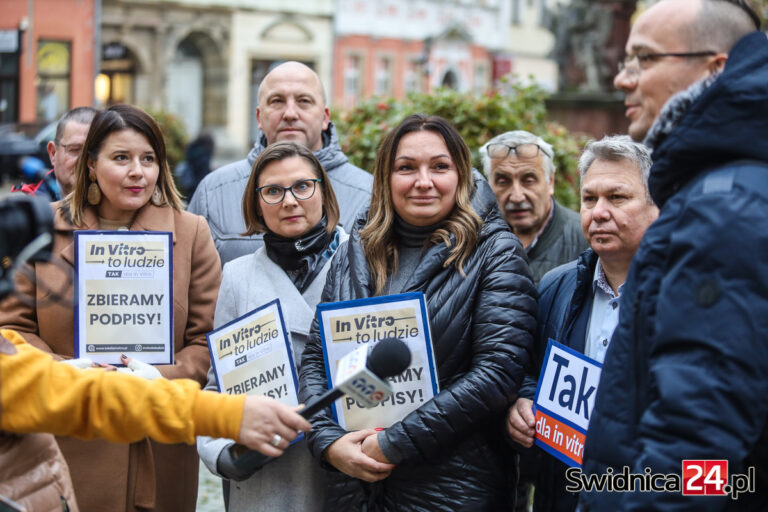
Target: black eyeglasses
x: 499, y: 150
x: 301, y: 190
x: 633, y: 68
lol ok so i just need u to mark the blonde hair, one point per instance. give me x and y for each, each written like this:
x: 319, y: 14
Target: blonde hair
x: 462, y: 222
x: 116, y: 119
x: 254, y: 222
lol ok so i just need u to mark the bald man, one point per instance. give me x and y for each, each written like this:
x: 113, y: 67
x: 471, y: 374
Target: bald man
x: 291, y: 107
x: 685, y: 377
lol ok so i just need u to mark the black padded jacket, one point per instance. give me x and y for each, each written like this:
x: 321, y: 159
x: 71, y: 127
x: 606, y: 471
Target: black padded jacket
x: 453, y: 452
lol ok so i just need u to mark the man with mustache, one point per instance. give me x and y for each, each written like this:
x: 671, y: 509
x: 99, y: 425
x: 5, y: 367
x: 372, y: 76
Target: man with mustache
x: 521, y: 171
x: 579, y: 301
x: 686, y: 374
x: 291, y: 107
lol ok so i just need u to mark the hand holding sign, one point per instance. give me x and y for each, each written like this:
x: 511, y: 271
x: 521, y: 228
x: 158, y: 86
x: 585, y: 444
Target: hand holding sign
x: 521, y: 424
x: 564, y: 399
x: 138, y: 368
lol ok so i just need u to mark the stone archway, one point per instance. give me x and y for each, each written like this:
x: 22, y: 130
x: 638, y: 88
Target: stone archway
x: 196, y: 82
x: 450, y: 80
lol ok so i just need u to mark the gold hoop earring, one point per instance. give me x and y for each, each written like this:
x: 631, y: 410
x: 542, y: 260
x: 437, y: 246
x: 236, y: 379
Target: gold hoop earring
x: 157, y: 197
x: 94, y: 192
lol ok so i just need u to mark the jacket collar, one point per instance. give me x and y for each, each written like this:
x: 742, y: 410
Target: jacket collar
x: 330, y: 155
x: 148, y: 218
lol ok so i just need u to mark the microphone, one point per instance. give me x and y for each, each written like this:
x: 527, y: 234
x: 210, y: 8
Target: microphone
x: 34, y: 169
x: 361, y: 374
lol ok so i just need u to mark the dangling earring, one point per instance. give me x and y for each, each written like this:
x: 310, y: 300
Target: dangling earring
x: 94, y: 192
x: 157, y: 197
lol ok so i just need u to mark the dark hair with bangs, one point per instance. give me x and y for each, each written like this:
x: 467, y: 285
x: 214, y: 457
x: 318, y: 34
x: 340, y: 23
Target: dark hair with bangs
x: 116, y: 119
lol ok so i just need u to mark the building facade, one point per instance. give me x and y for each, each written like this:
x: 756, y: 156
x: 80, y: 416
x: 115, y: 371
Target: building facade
x: 46, y: 66
x: 393, y: 47
x: 265, y: 33
x: 529, y: 51
x: 202, y: 60
x: 169, y: 56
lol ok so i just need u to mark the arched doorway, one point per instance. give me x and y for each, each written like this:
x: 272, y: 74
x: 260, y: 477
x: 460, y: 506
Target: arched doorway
x: 450, y: 80
x: 196, y: 83
x: 184, y: 86
x: 116, y: 80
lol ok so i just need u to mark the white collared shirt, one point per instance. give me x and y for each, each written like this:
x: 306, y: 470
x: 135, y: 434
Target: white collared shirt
x: 604, y: 317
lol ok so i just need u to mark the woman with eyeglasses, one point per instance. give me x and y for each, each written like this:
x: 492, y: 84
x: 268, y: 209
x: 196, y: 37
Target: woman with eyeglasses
x: 433, y: 227
x: 288, y: 198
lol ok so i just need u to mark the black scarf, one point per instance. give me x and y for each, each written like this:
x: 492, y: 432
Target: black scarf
x: 300, y: 257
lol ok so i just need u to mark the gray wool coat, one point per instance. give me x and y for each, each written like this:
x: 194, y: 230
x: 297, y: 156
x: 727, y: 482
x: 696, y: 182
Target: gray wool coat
x: 294, y: 481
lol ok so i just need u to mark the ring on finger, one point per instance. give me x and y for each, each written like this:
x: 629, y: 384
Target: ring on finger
x: 276, y: 439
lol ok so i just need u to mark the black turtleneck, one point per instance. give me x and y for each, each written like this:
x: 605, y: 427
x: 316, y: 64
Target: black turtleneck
x: 411, y: 241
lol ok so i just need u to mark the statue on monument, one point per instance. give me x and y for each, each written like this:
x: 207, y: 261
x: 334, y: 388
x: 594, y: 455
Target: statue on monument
x: 589, y: 35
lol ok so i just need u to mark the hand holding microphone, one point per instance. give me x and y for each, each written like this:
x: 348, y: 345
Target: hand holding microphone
x: 265, y: 421
x: 362, y: 374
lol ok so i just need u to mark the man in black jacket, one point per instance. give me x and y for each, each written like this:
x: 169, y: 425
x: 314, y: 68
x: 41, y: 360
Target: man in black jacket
x: 521, y: 171
x: 579, y: 301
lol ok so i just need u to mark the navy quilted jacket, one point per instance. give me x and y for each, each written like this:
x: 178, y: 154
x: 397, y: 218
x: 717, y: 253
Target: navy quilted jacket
x: 454, y: 454
x: 565, y: 305
x: 686, y: 374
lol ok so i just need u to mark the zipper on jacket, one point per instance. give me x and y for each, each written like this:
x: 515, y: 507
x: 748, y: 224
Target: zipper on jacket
x: 637, y: 349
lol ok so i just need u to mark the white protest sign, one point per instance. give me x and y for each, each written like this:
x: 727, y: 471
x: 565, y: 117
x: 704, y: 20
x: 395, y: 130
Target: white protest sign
x: 252, y: 355
x: 564, y: 401
x: 123, y: 296
x: 345, y: 326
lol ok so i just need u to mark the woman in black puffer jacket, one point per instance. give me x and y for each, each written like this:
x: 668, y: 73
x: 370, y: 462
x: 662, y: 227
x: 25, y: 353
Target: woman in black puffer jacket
x: 432, y: 227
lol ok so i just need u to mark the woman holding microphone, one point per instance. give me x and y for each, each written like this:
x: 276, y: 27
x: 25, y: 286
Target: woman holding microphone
x: 288, y: 198
x: 432, y: 227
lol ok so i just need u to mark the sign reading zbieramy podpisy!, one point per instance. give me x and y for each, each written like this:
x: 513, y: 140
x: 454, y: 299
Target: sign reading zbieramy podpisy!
x: 252, y: 355
x: 123, y: 296
x: 348, y: 325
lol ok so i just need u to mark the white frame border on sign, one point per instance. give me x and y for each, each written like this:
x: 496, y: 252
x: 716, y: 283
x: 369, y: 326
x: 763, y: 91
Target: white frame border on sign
x: 325, y: 309
x: 81, y: 237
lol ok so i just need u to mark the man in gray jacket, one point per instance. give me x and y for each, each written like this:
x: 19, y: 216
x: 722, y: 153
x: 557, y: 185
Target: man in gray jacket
x: 291, y: 107
x: 521, y: 171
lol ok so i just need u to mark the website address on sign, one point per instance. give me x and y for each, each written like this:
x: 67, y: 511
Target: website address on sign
x: 697, y: 478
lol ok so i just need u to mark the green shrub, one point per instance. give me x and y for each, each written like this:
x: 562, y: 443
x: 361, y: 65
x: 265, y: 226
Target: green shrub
x: 175, y: 135
x: 477, y: 118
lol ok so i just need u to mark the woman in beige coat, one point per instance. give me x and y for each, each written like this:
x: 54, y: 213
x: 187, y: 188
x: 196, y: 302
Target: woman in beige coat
x: 123, y: 181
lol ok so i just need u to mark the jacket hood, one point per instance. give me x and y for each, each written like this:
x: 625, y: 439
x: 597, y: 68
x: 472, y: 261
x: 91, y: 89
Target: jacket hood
x: 728, y: 121
x: 330, y: 155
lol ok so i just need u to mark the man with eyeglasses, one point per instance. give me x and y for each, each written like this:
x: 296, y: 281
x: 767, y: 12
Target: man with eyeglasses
x: 684, y: 382
x: 291, y: 107
x: 63, y: 151
x: 521, y: 171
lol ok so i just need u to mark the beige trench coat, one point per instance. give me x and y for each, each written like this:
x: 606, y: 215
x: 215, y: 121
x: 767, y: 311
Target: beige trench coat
x: 144, y: 475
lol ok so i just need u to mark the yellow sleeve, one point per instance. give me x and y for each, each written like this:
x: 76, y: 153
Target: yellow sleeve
x: 38, y: 394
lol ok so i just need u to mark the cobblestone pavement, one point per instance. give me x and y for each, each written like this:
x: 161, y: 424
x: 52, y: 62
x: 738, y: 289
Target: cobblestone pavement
x: 209, y: 498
